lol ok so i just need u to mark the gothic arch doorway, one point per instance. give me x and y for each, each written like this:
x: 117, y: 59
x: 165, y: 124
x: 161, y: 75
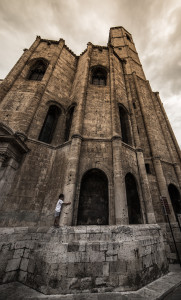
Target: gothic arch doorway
x: 175, y: 199
x: 133, y: 201
x: 93, y: 201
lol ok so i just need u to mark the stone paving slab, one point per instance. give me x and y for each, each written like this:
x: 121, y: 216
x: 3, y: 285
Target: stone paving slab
x: 157, y: 290
x: 175, y: 295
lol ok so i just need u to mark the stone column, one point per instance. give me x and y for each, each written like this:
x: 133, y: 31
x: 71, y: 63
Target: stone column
x: 150, y: 215
x: 175, y: 163
x: 71, y: 180
x: 75, y: 149
x: 121, y: 209
x: 169, y: 126
x: 156, y: 160
x: 169, y: 146
x: 162, y: 184
x: 7, y: 179
x: 17, y: 69
x: 79, y: 111
x: 178, y: 173
x: 147, y: 199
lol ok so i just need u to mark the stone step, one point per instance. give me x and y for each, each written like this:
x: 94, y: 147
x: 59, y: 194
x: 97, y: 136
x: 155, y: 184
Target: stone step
x: 156, y: 290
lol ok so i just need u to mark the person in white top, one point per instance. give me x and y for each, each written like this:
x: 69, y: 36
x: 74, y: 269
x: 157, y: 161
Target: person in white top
x: 58, y: 209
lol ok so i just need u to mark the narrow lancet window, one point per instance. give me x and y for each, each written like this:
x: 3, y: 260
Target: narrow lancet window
x: 124, y: 122
x: 47, y: 131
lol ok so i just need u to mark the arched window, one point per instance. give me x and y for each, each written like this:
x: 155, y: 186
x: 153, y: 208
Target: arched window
x: 175, y: 198
x: 124, y: 122
x: 37, y: 71
x: 69, y: 122
x: 133, y: 202
x: 49, y: 125
x: 93, y: 200
x: 99, y: 76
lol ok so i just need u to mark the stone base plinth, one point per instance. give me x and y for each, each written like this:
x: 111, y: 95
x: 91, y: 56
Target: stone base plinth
x: 83, y: 259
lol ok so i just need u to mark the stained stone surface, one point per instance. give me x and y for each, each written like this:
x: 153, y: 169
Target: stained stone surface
x: 83, y: 259
x: 172, y: 291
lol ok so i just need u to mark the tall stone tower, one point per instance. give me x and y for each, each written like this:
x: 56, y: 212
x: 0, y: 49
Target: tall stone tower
x: 88, y: 126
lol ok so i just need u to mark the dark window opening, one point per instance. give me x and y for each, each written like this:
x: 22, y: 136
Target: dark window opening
x: 128, y: 37
x: 133, y: 202
x: 134, y: 105
x: 93, y: 201
x: 69, y: 123
x: 147, y: 166
x: 175, y: 199
x: 125, y: 130
x: 49, y: 125
x: 37, y: 71
x: 99, y: 76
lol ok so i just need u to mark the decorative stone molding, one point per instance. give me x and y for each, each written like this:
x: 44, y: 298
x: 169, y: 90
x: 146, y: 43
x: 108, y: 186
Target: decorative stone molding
x: 11, y: 144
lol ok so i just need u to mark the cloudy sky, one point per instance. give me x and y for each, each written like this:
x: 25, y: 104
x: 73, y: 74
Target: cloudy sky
x: 154, y: 24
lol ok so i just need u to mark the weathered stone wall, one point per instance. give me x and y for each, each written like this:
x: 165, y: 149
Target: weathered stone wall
x: 120, y: 89
x: 125, y: 48
x: 29, y: 185
x: 97, y: 116
x: 96, y: 154
x: 83, y: 259
x: 28, y: 99
x: 172, y: 152
x: 34, y: 195
x: 169, y: 243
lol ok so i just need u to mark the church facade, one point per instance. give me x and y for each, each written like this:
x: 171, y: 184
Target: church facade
x: 89, y: 127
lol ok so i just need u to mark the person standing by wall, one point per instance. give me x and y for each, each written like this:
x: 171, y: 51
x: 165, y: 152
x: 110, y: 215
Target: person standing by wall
x: 58, y: 209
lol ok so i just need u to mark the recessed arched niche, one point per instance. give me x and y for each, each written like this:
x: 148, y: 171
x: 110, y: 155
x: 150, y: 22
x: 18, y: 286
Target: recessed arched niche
x: 133, y: 201
x: 93, y: 206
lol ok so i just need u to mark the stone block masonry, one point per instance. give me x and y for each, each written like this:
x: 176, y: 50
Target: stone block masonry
x: 89, y: 127
x: 86, y: 259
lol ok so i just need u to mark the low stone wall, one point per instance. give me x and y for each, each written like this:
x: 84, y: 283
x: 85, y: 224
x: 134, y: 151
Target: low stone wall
x: 169, y: 243
x: 83, y: 258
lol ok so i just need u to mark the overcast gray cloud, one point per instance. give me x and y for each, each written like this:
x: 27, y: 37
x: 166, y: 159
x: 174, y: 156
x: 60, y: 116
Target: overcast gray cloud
x: 154, y: 24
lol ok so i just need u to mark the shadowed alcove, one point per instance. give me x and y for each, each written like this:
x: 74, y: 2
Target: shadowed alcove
x: 175, y: 198
x: 93, y: 200
x: 124, y: 122
x: 38, y: 70
x: 134, y: 210
x: 69, y: 119
x: 99, y: 76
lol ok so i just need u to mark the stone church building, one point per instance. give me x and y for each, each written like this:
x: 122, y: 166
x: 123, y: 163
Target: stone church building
x: 90, y: 127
